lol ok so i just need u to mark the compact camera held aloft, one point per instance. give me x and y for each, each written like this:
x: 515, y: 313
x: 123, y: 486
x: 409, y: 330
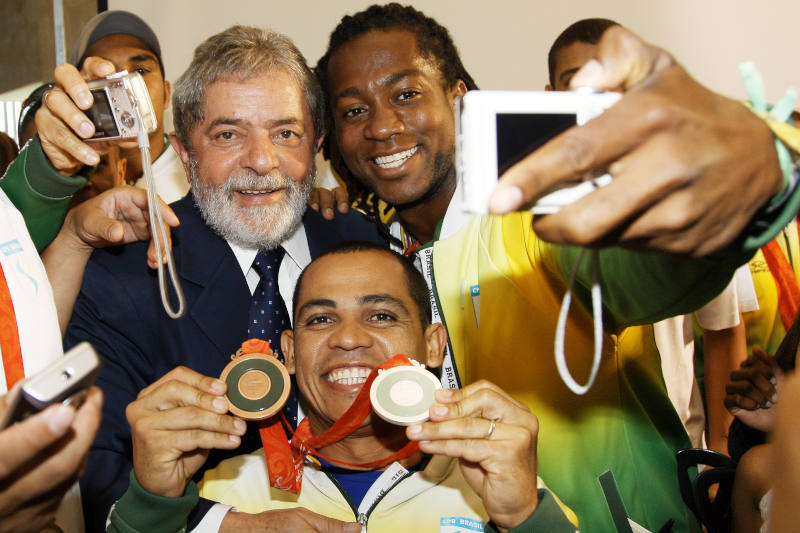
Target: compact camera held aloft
x: 497, y: 129
x: 114, y: 110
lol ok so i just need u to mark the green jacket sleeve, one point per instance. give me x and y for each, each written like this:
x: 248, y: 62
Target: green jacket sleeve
x: 139, y: 511
x: 547, y: 517
x: 646, y: 287
x: 40, y: 193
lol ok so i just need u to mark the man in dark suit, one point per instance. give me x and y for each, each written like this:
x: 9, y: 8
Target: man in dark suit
x: 248, y: 120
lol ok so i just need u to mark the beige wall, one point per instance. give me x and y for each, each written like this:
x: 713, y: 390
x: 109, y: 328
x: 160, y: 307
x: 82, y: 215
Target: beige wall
x: 504, y: 42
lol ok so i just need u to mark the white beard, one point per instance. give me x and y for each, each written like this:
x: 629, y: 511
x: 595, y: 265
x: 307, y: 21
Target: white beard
x: 261, y: 227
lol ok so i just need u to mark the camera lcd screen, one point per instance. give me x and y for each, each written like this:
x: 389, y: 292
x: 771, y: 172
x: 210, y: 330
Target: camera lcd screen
x: 519, y: 134
x: 102, y: 116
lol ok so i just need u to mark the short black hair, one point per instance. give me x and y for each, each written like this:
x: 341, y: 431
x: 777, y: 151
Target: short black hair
x: 417, y: 286
x: 587, y: 31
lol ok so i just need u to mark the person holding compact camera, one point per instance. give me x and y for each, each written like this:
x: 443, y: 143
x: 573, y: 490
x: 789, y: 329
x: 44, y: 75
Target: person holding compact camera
x: 42, y: 456
x: 498, y: 287
x: 58, y: 161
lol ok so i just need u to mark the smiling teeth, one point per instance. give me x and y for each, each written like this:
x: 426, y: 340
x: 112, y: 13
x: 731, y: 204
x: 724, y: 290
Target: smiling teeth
x: 395, y: 160
x: 349, y: 376
x: 259, y: 191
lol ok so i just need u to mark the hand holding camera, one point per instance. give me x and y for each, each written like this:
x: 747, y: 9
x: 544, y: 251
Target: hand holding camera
x: 76, y: 111
x: 42, y: 454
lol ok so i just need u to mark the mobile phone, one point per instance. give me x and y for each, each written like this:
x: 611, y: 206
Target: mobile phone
x: 497, y: 129
x: 113, y: 112
x: 66, y: 380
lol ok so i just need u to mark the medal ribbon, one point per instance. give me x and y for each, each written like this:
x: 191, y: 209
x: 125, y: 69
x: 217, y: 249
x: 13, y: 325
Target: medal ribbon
x: 9, y: 336
x: 785, y: 280
x: 285, y: 460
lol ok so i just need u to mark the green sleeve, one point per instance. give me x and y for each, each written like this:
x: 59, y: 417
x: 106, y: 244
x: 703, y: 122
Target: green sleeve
x: 646, y: 287
x: 40, y: 193
x: 140, y: 511
x: 547, y: 517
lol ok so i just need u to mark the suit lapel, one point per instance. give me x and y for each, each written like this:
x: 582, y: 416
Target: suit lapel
x: 220, y: 301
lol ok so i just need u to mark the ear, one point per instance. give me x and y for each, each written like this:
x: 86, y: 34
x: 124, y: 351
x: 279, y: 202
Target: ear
x: 318, y: 144
x: 181, y: 150
x: 287, y: 349
x: 435, y: 343
x: 459, y: 89
x: 167, y: 93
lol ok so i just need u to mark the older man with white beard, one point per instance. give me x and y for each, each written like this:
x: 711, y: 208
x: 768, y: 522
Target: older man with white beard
x: 248, y: 121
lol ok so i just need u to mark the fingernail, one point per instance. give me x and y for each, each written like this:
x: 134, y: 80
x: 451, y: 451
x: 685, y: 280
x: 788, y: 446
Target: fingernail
x: 415, y: 429
x: 768, y: 404
x: 234, y: 438
x: 505, y: 199
x: 91, y: 158
x: 774, y: 398
x: 773, y: 380
x: 220, y: 404
x: 443, y: 394
x: 343, y: 206
x: 60, y: 419
x: 315, y: 207
x: 217, y: 386
x: 105, y: 69
x: 84, y: 99
x: 86, y: 129
x: 590, y: 75
x: 328, y: 212
x: 240, y: 425
x: 440, y: 410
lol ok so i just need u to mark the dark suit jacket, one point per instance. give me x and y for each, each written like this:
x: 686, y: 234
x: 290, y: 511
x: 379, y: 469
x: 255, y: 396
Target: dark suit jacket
x: 119, y: 311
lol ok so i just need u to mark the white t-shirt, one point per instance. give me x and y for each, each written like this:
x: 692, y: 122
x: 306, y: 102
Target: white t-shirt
x: 170, y: 178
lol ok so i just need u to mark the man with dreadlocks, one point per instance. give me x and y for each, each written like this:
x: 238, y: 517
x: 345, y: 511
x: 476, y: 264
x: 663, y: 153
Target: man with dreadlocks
x: 391, y: 76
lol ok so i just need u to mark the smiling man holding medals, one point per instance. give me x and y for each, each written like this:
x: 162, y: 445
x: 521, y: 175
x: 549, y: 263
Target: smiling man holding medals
x: 471, y: 467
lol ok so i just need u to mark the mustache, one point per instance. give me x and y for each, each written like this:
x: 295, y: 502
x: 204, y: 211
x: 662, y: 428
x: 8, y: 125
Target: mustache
x: 248, y: 179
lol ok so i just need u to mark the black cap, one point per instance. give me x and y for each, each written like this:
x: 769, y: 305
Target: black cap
x: 112, y: 22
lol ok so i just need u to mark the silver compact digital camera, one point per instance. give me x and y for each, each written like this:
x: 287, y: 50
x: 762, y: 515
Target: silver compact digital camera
x: 497, y: 129
x: 66, y: 380
x: 114, y: 109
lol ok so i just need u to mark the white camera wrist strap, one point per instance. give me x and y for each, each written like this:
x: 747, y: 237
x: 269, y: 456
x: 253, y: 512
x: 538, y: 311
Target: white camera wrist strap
x: 157, y: 230
x: 597, y: 319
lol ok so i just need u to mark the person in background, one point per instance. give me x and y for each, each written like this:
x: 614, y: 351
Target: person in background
x: 8, y: 151
x: 110, y: 173
x: 58, y: 162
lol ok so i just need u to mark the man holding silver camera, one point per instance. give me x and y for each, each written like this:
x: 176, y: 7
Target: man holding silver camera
x: 498, y: 287
x: 52, y: 166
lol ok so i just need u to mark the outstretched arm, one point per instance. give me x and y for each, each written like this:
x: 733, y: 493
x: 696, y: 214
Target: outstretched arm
x: 117, y: 216
x: 691, y: 167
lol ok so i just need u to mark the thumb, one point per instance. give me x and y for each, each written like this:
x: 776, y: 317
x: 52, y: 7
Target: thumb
x: 112, y: 230
x: 95, y: 225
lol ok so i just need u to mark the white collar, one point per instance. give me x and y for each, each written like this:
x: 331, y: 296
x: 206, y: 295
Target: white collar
x: 456, y: 216
x: 296, y: 247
